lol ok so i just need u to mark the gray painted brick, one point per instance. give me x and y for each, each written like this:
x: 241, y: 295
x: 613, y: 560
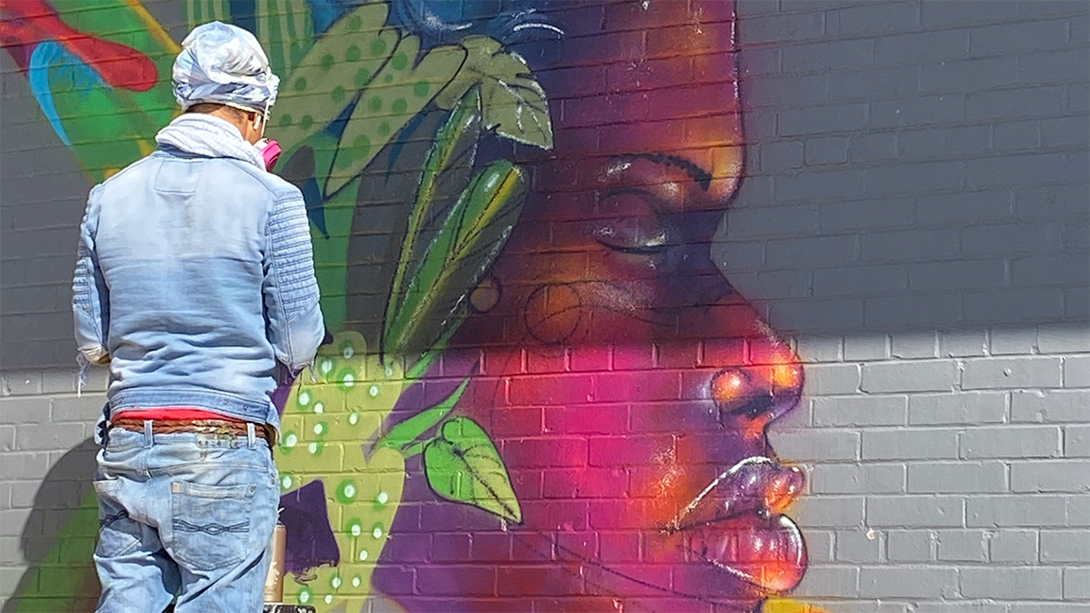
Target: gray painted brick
x: 963, y: 343
x: 1063, y: 66
x: 972, y: 74
x: 1004, y: 307
x: 874, y: 84
x: 831, y: 581
x: 1017, y: 135
x: 910, y: 444
x: 915, y: 345
x: 7, y: 438
x: 33, y: 437
x: 953, y: 606
x: 1077, y: 583
x: 815, y: 348
x: 1062, y: 131
x: 1046, y: 270
x: 1078, y: 510
x: 878, y: 18
x: 1012, y: 583
x: 1016, y: 511
x: 823, y: 119
x: 964, y: 13
x: 24, y: 410
x: 871, y: 214
x: 19, y: 465
x: 1055, y: 406
x: 819, y: 545
x: 916, y: 309
x: 908, y: 546
x: 965, y: 207
x: 1077, y: 371
x: 916, y: 511
x: 910, y: 245
x: 821, y: 57
x: 1011, y: 442
x: 1065, y: 546
x: 1063, y: 338
x: 922, y: 376
x: 829, y: 511
x: 957, y: 408
x: 858, y: 479
x: 816, y: 444
x: 907, y: 582
x: 1077, y: 441
x: 914, y: 178
x: 858, y: 546
x: 826, y: 251
x: 1015, y: 170
x: 962, y: 546
x: 84, y: 409
x: 1002, y: 373
x: 1014, y: 36
x: 1012, y: 340
x: 957, y: 477
x: 860, y: 411
x: 1050, y: 476
x: 1000, y: 104
x: 869, y: 147
x: 921, y: 46
x: 782, y: 155
x: 866, y: 347
x: 922, y: 111
x: 814, y: 185
x: 1013, y: 546
x: 59, y: 382
x: 1011, y: 239
x: 830, y: 379
x: 773, y: 28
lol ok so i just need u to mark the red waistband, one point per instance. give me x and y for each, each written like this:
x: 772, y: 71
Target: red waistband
x: 175, y: 414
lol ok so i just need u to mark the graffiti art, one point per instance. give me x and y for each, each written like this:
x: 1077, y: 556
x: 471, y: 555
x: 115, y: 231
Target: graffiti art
x: 542, y: 393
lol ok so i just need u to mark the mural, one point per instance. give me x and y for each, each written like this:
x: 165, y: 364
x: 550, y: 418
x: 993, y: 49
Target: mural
x: 542, y: 394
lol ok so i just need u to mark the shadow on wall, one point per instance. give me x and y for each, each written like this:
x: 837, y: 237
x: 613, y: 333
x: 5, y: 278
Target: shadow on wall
x: 59, y: 537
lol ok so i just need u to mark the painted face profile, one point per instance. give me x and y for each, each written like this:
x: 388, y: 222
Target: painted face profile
x: 625, y: 384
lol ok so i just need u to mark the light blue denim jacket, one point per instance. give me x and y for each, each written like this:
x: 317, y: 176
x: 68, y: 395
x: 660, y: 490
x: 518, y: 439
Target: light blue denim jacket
x: 195, y: 276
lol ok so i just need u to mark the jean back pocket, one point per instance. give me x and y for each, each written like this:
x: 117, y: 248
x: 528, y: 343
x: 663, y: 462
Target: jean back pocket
x: 211, y: 524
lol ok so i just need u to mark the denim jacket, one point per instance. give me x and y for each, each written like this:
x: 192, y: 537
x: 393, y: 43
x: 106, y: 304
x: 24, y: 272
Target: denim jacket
x: 195, y: 277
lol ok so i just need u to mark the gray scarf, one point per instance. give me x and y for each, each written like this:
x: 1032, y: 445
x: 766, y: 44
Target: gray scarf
x: 209, y: 136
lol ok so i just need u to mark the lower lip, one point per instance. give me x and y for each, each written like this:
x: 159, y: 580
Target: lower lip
x: 767, y: 554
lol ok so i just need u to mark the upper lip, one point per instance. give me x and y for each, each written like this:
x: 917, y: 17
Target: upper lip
x: 757, y: 485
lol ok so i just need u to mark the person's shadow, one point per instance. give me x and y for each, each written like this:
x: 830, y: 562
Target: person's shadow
x: 58, y: 539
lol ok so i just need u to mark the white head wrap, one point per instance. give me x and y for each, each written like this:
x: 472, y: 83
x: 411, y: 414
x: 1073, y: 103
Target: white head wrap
x: 224, y: 64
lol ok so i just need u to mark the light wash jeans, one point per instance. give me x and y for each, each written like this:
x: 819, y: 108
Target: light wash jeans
x: 187, y: 515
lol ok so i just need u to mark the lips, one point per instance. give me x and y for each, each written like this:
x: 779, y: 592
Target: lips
x: 736, y: 525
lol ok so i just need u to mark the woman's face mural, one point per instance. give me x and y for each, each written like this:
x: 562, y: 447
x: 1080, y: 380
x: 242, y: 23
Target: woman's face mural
x: 625, y: 384
x: 543, y: 395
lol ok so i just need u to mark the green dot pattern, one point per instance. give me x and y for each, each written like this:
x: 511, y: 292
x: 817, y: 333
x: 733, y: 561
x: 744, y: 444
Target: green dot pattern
x: 327, y: 420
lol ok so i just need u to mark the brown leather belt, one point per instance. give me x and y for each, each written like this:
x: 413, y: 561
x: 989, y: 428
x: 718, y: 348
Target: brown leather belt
x: 223, y: 427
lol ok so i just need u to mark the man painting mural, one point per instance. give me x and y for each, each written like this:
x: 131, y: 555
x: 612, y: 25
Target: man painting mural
x: 543, y: 395
x: 194, y: 280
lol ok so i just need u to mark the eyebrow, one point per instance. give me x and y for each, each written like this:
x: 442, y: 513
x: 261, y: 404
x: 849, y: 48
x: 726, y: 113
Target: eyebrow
x: 695, y: 172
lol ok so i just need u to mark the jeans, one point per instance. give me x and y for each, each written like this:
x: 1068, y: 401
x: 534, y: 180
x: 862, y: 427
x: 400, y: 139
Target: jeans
x: 187, y: 516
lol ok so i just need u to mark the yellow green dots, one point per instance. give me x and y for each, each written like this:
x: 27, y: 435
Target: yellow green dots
x: 346, y: 492
x: 306, y: 122
x: 328, y: 598
x: 319, y: 408
x: 354, y: 23
x: 384, y: 128
x: 304, y: 595
x: 337, y: 94
x: 327, y: 61
x: 285, y: 120
x: 374, y: 104
x: 354, y: 418
x: 376, y: 532
x: 399, y: 61
x: 335, y: 581
x: 357, y: 581
x: 363, y: 76
x: 373, y: 391
x: 399, y: 105
x: 319, y: 428
x: 362, y: 144
x: 313, y: 448
x: 325, y: 366
x: 348, y: 351
x: 388, y: 78
x: 286, y: 482
x: 348, y: 380
x: 378, y: 47
x: 355, y: 528
x: 421, y: 89
x: 382, y: 498
x: 291, y: 440
x: 304, y: 398
x: 352, y: 54
x: 300, y: 84
x: 363, y: 555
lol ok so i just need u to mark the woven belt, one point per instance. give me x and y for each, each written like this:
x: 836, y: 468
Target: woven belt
x: 223, y: 427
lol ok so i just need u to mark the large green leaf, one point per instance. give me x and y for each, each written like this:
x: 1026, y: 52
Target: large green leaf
x: 464, y: 248
x: 462, y: 465
x: 512, y: 101
x: 404, y: 433
x: 399, y: 91
x: 449, y: 161
x: 328, y: 78
x: 285, y: 29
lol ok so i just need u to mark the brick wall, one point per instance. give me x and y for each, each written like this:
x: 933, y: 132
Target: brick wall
x: 913, y: 218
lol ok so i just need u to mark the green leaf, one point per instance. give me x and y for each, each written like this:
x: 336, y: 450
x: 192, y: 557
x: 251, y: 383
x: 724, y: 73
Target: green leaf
x: 462, y: 465
x: 203, y: 11
x: 285, y: 29
x: 398, y: 92
x: 465, y: 247
x: 403, y: 434
x: 512, y: 101
x: 328, y: 78
x: 453, y: 152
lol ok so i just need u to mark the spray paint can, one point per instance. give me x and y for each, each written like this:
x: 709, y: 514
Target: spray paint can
x: 274, y: 583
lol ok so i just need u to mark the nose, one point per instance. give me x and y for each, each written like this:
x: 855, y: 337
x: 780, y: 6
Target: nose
x: 762, y: 390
